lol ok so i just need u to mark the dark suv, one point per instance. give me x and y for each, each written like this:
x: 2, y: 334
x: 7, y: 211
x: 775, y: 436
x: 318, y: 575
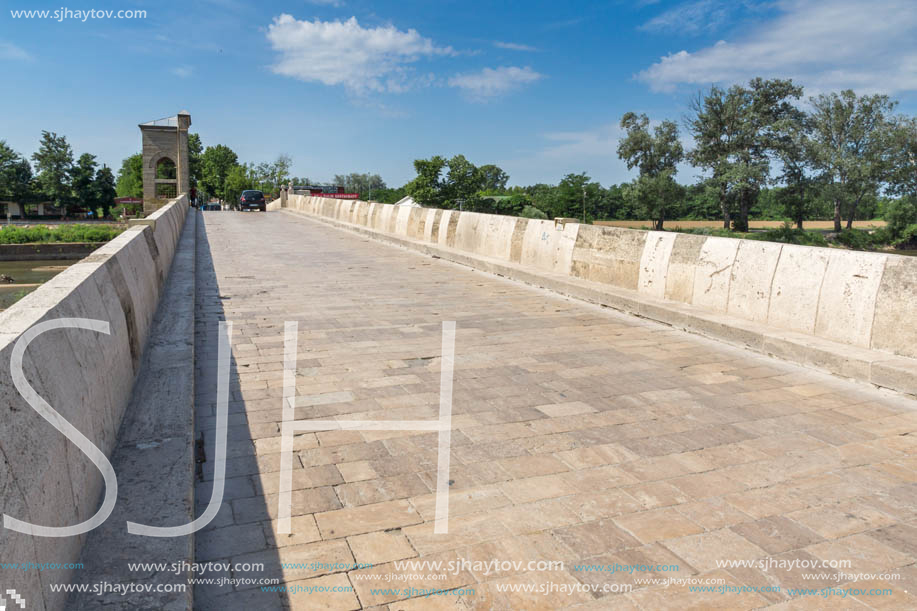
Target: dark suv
x: 252, y: 200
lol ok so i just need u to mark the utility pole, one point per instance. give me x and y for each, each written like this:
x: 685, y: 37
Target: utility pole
x: 584, y: 205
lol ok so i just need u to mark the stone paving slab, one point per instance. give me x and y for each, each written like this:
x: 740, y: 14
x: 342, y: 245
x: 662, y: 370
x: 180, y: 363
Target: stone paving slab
x: 580, y: 435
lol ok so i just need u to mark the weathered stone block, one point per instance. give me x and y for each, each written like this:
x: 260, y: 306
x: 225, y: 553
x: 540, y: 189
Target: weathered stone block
x: 847, y: 301
x: 894, y: 327
x: 750, y: 284
x: 679, y: 281
x: 713, y: 273
x: 654, y: 263
x: 609, y: 255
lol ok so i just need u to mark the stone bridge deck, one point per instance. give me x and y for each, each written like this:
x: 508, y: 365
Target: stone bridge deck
x: 580, y: 435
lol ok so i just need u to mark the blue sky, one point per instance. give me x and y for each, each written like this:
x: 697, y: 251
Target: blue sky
x: 351, y: 85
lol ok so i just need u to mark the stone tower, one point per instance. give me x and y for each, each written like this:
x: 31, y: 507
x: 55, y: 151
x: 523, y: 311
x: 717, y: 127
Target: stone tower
x: 165, y: 160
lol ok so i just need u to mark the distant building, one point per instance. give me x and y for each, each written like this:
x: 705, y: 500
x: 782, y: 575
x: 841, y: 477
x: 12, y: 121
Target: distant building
x: 408, y: 201
x: 332, y: 191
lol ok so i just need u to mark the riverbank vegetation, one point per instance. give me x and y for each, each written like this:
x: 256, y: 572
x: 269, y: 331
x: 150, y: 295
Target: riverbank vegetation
x: 35, y: 234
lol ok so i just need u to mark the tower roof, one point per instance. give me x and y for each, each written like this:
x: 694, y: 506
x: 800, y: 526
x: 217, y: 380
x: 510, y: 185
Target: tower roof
x: 166, y: 121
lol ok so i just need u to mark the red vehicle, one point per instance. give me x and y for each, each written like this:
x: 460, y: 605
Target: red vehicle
x: 252, y: 200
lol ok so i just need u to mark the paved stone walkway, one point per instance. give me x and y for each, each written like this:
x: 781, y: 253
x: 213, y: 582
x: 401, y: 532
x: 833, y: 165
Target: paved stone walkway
x: 580, y: 435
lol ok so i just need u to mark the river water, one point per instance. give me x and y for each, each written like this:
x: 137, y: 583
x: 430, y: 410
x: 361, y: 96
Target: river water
x: 28, y: 274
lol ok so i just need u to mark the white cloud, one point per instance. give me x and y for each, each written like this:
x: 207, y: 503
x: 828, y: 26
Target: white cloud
x: 183, y: 71
x: 692, y: 17
x: 822, y: 44
x: 512, y: 46
x: 10, y: 51
x: 493, y: 82
x: 345, y: 53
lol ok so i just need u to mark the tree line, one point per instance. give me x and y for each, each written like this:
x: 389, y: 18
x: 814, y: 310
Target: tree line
x: 842, y: 149
x: 81, y: 184
x: 762, y: 154
x: 55, y: 177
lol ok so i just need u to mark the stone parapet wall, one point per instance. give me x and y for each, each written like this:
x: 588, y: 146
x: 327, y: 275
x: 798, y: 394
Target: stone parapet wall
x: 84, y: 375
x: 859, y: 299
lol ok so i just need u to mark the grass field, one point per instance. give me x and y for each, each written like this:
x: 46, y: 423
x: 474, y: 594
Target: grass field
x: 751, y: 224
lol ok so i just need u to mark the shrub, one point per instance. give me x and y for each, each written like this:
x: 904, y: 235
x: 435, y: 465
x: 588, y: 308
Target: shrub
x: 857, y: 239
x: 908, y: 236
x: 790, y: 235
x: 58, y: 233
x: 531, y: 212
x: 24, y: 235
x: 713, y: 231
x: 900, y: 214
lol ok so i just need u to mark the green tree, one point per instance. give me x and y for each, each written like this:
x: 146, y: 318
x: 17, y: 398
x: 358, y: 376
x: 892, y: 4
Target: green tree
x: 364, y: 184
x: 238, y: 179
x: 655, y: 155
x: 903, y: 179
x: 493, y: 178
x: 82, y: 176
x: 542, y: 196
x: 130, y: 177
x: 767, y: 108
x: 53, y: 161
x: 901, y: 213
x: 427, y: 186
x: 569, y: 198
x: 455, y: 183
x: 653, y: 196
x: 852, y: 146
x: 611, y: 205
x: 195, y: 149
x: 715, y: 128
x: 15, y: 175
x: 901, y: 216
x: 792, y: 145
x: 280, y: 171
x: 103, y: 189
x: 261, y: 176
x: 463, y: 181
x: 702, y: 201
x: 531, y: 212
x: 216, y: 164
x: 517, y: 203
x: 388, y: 196
x: 735, y: 132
